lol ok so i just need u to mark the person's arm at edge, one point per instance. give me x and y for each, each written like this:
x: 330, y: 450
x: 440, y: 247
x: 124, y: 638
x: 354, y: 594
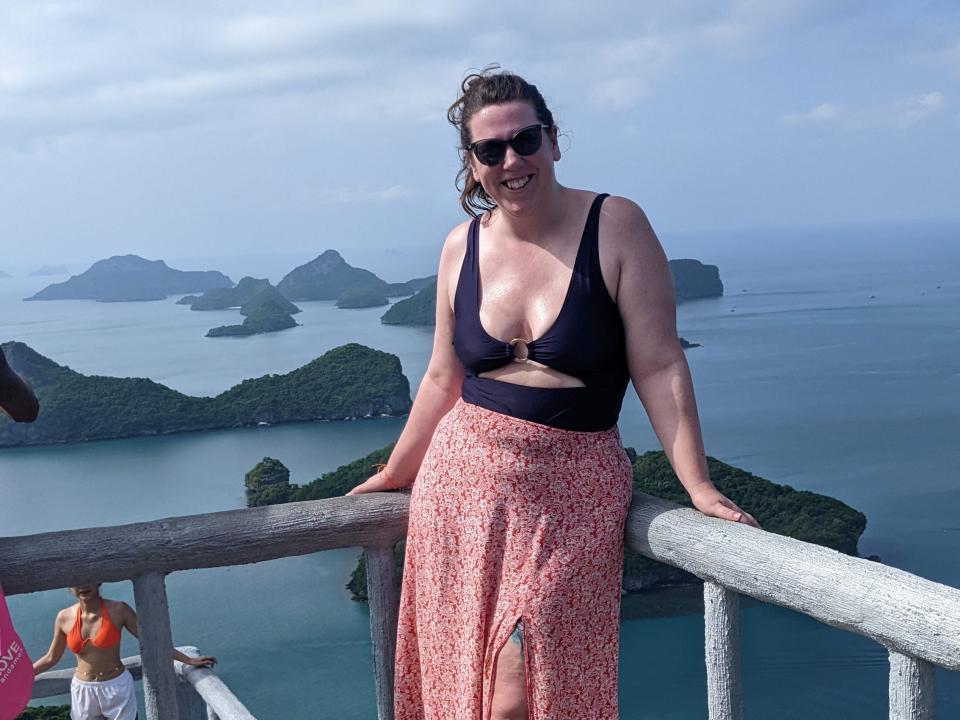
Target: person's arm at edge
x: 16, y: 396
x: 658, y: 367
x: 129, y: 616
x: 440, y: 386
x: 55, y: 652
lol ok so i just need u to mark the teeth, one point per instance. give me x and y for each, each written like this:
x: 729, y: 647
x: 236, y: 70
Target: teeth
x: 518, y: 183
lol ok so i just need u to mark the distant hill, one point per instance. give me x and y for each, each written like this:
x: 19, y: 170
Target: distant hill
x: 421, y: 309
x: 222, y: 298
x: 411, y: 286
x: 44, y: 270
x: 325, y: 277
x: 348, y: 382
x: 268, y: 301
x: 353, y: 298
x: 127, y: 278
x: 781, y: 509
x: 4, y: 275
x: 693, y: 280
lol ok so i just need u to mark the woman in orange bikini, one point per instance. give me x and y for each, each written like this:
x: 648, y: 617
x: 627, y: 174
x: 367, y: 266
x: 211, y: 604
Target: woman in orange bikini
x: 101, y: 687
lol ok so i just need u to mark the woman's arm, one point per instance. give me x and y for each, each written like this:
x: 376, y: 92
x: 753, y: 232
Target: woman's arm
x: 440, y: 386
x: 658, y: 368
x: 16, y: 396
x: 130, y: 623
x: 53, y: 655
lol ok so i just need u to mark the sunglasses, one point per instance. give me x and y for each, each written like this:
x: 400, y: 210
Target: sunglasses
x: 525, y: 141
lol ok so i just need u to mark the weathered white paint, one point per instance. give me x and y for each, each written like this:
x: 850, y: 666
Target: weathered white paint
x: 384, y: 600
x: 899, y: 610
x: 156, y: 647
x: 721, y: 623
x: 235, y: 537
x: 212, y: 690
x: 911, y: 688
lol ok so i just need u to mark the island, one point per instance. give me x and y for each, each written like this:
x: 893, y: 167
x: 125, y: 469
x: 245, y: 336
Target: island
x: 326, y: 276
x: 223, y: 298
x: 356, y: 298
x: 267, y: 311
x: 346, y: 383
x: 799, y: 514
x: 45, y: 270
x: 130, y: 278
x: 692, y: 280
x: 411, y: 286
x: 418, y: 310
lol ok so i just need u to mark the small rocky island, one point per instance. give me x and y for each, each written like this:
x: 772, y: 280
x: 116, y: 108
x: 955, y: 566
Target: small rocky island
x: 326, y: 276
x: 799, y: 514
x: 267, y: 311
x: 357, y: 298
x: 348, y: 382
x: 130, y: 278
x: 45, y: 270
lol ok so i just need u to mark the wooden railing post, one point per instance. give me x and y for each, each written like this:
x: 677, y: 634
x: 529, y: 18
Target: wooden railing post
x: 721, y: 622
x: 156, y: 647
x: 384, y: 605
x: 911, y: 688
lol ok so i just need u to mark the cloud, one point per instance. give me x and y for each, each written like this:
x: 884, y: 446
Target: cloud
x: 900, y: 114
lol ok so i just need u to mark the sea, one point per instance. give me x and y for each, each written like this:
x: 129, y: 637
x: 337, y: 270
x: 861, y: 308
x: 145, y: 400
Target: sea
x: 831, y: 364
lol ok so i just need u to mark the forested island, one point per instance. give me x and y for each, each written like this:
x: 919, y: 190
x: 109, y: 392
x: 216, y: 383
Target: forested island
x: 130, y: 278
x: 352, y: 381
x: 781, y: 509
x: 355, y: 298
x: 266, y: 311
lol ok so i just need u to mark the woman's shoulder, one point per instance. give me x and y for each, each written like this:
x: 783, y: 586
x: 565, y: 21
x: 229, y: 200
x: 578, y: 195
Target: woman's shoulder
x: 118, y: 609
x: 625, y: 229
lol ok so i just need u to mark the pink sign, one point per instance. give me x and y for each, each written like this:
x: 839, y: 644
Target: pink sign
x: 16, y: 670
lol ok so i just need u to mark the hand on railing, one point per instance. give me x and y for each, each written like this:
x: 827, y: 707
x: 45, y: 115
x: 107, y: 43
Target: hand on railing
x: 380, y: 482
x: 712, y: 503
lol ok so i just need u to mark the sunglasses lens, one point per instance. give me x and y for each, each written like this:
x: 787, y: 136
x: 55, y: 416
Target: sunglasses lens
x: 490, y: 152
x: 527, y: 141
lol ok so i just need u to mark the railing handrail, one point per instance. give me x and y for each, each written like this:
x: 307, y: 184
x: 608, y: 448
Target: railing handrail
x: 204, y: 681
x: 902, y: 611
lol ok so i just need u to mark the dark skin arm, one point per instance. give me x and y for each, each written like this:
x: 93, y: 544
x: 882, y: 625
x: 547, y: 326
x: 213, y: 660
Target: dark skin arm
x: 16, y: 397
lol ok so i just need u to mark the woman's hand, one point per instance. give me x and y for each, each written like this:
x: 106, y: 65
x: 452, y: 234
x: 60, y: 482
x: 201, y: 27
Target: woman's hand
x: 205, y: 661
x: 713, y: 503
x: 380, y: 482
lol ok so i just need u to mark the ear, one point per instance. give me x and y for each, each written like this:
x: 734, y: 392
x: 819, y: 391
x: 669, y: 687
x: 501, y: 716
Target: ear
x: 473, y: 168
x: 555, y: 143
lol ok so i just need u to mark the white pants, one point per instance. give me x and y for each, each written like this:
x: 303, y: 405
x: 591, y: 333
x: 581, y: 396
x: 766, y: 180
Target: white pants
x: 110, y: 699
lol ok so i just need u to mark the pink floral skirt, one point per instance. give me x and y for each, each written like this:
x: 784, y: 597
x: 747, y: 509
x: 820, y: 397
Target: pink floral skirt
x: 512, y: 521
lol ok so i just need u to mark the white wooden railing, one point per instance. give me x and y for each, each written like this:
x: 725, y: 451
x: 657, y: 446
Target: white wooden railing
x: 201, y: 695
x: 916, y: 619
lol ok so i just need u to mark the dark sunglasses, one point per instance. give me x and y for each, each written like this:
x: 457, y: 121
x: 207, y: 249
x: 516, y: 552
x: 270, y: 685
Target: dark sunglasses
x: 525, y: 141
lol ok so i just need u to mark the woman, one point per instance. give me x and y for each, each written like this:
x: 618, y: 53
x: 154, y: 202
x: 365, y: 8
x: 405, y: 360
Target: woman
x: 548, y: 302
x: 101, y: 686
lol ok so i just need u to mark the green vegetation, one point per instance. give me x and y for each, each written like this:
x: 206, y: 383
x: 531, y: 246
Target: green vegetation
x: 778, y: 508
x: 222, y: 298
x: 421, y: 309
x: 268, y: 301
x: 268, y: 471
x: 359, y: 298
x: 326, y: 276
x: 348, y: 382
x: 411, y: 286
x: 267, y: 311
x: 48, y: 712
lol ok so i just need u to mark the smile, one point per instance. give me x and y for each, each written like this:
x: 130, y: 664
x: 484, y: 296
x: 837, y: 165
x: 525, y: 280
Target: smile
x: 517, y: 183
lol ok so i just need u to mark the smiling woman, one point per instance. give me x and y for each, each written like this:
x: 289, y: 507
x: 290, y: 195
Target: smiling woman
x: 549, y: 302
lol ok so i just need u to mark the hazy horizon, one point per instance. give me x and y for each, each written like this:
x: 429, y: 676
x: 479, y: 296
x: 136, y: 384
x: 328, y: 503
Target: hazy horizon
x: 198, y: 129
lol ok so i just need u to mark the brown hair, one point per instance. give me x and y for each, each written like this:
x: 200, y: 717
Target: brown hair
x: 490, y: 86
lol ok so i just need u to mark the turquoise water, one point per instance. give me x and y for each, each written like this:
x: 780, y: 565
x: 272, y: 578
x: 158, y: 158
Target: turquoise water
x: 804, y: 379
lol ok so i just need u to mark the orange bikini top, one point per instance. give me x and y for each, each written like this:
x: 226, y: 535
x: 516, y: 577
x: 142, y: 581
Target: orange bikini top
x: 107, y: 634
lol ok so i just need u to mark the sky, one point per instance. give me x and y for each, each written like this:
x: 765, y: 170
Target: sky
x: 203, y: 129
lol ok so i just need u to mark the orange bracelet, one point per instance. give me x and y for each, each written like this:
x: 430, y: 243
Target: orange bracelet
x: 382, y: 468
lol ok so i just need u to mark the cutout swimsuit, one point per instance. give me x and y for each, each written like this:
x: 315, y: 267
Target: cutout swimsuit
x: 517, y: 518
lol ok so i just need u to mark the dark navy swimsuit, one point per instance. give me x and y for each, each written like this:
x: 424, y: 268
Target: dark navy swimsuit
x: 586, y: 341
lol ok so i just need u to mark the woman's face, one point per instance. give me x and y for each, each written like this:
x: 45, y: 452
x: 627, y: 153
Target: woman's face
x: 85, y: 592
x: 518, y: 182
